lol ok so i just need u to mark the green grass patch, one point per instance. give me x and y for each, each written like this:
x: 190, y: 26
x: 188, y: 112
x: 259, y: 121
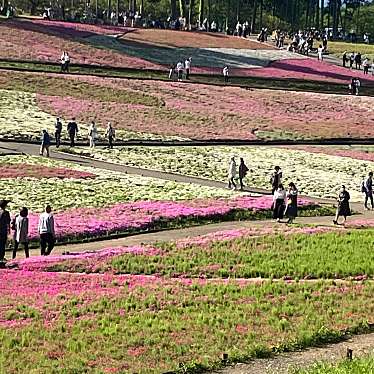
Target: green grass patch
x: 338, y: 48
x: 245, y: 82
x: 358, y: 366
x: 320, y: 255
x: 181, y: 327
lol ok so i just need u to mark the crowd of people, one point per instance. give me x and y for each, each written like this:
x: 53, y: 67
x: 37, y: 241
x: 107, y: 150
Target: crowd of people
x: 285, y: 201
x: 72, y: 132
x: 181, y: 69
x: 17, y: 227
x: 355, y: 60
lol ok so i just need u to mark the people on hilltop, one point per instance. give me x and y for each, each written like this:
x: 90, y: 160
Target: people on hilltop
x: 276, y: 179
x: 343, y: 209
x: 46, y: 229
x: 92, y: 134
x: 243, y: 170
x: 367, y: 189
x: 291, y: 205
x: 232, y: 173
x: 45, y: 143
x: 279, y: 202
x: 110, y: 133
x: 4, y: 228
x: 20, y: 226
x: 58, y: 131
x: 72, y: 130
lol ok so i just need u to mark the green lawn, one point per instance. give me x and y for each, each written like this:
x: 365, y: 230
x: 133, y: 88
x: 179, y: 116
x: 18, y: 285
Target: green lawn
x: 165, y: 326
x: 338, y: 48
x: 358, y: 366
x: 321, y: 255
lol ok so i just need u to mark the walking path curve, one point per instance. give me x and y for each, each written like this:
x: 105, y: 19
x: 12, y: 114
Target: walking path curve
x: 362, y: 345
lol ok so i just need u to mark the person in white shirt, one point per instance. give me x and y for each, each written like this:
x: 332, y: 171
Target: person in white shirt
x: 46, y: 229
x: 232, y: 173
x: 225, y: 72
x: 187, y: 65
x: 279, y: 203
x: 92, y: 134
x: 320, y: 53
x: 180, y: 70
x: 21, y: 232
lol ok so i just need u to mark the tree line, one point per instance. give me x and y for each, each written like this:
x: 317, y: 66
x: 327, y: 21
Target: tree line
x: 292, y: 15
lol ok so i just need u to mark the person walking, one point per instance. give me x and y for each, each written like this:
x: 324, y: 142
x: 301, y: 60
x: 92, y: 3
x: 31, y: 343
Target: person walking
x: 110, y: 133
x: 62, y: 62
x: 232, y: 173
x: 46, y: 229
x: 343, y: 208
x: 365, y: 65
x: 243, y: 170
x: 21, y: 232
x: 171, y: 71
x: 358, y: 61
x: 92, y: 134
x: 187, y: 66
x: 46, y: 142
x: 276, y: 179
x: 367, y: 188
x: 72, y: 129
x: 345, y: 58
x: 279, y: 203
x: 58, y: 131
x: 291, y: 207
x: 180, y: 71
x: 225, y: 72
x: 320, y: 51
x: 352, y: 60
x: 4, y: 227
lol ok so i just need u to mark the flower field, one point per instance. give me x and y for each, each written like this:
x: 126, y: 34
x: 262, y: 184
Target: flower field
x: 141, y: 324
x: 293, y: 253
x: 315, y: 174
x: 163, y: 110
x: 42, y: 41
x: 90, y: 202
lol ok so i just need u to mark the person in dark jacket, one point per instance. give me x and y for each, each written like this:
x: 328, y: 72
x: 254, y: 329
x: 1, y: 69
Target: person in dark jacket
x: 72, y: 131
x: 58, y: 130
x: 46, y: 142
x: 291, y: 204
x: 4, y: 227
x: 243, y: 170
x: 343, y: 208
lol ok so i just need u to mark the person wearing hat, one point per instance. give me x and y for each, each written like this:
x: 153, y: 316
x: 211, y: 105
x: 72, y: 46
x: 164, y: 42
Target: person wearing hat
x: 4, y: 227
x: 343, y: 208
x: 46, y: 142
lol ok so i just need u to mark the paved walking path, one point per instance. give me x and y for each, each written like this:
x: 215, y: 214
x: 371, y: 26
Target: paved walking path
x: 362, y: 345
x: 163, y: 235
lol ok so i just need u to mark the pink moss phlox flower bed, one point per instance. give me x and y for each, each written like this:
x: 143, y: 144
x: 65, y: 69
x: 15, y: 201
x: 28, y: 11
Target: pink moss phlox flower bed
x: 72, y: 29
x: 38, y: 171
x: 39, y: 289
x: 143, y: 214
x: 228, y: 235
x: 30, y: 40
x: 350, y: 153
x: 90, y: 259
x: 308, y: 69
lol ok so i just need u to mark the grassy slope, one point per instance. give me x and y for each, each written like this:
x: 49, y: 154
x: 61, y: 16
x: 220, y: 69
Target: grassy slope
x: 338, y: 48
